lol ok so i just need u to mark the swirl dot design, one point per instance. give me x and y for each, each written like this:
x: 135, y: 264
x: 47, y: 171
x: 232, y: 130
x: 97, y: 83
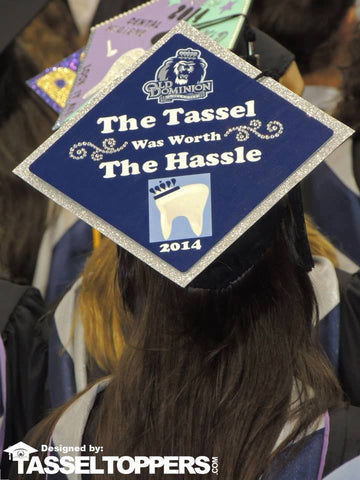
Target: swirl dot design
x: 274, y: 127
x: 79, y: 151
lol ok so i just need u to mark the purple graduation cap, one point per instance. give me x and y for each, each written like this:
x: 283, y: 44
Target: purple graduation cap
x: 116, y: 43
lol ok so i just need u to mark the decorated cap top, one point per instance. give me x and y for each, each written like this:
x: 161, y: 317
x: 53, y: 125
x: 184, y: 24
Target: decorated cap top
x: 178, y: 158
x: 117, y: 42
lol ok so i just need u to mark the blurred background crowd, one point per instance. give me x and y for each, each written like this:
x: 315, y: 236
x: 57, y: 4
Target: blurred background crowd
x: 62, y: 323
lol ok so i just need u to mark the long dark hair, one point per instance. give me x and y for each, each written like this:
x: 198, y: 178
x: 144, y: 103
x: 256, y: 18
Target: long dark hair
x: 308, y: 28
x: 212, y: 372
x: 25, y: 122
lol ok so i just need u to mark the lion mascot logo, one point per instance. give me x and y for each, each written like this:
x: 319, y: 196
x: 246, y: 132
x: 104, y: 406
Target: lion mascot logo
x: 180, y: 77
x: 186, y: 68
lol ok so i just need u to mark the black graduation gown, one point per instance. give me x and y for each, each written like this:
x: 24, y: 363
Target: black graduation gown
x: 25, y: 332
x: 349, y: 348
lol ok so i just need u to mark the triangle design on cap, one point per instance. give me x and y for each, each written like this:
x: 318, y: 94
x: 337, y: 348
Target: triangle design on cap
x: 180, y: 157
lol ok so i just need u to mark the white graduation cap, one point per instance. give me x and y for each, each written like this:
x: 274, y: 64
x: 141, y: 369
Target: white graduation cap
x: 20, y: 451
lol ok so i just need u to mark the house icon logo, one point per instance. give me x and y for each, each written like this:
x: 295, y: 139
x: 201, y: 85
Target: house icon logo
x: 20, y: 451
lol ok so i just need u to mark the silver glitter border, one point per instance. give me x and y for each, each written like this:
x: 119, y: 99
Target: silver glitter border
x: 341, y: 133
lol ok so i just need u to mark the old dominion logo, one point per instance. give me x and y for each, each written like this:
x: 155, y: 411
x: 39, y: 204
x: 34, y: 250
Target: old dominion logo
x: 181, y: 77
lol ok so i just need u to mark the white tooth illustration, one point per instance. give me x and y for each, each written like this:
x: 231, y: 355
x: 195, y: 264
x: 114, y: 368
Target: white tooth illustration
x: 188, y: 201
x: 126, y: 60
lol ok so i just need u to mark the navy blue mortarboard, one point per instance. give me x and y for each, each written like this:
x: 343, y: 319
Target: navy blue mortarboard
x: 14, y: 17
x: 183, y: 157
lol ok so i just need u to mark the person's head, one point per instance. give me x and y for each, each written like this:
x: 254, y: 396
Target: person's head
x: 25, y: 119
x: 216, y: 372
x: 22, y: 222
x: 25, y: 122
x: 314, y: 30
x: 102, y: 316
x: 347, y: 110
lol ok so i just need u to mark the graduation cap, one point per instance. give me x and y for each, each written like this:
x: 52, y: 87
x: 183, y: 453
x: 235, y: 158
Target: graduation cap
x: 184, y: 157
x: 20, y: 451
x: 116, y: 43
x: 53, y: 85
x: 14, y: 18
x: 222, y: 21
